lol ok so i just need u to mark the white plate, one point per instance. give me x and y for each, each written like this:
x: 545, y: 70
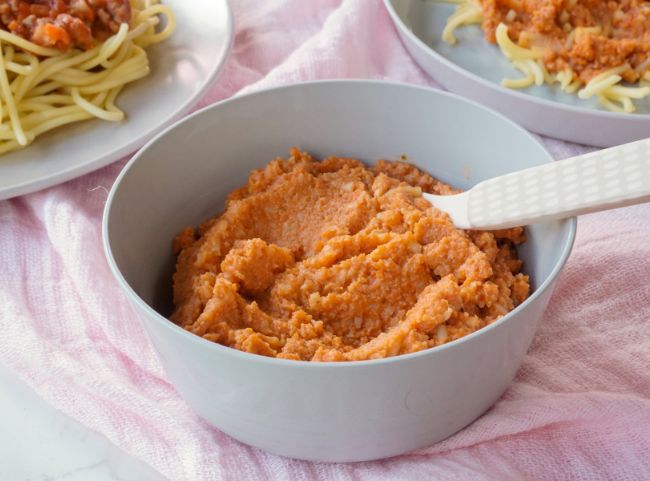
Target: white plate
x: 182, y: 68
x: 474, y: 68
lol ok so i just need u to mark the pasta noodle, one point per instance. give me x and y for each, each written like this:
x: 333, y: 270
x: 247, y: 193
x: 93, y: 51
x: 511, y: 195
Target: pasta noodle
x: 528, y: 57
x: 43, y: 88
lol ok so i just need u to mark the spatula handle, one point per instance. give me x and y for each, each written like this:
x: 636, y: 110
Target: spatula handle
x: 599, y: 180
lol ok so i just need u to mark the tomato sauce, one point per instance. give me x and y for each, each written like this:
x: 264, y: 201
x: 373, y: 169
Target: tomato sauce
x: 586, y: 36
x: 64, y: 24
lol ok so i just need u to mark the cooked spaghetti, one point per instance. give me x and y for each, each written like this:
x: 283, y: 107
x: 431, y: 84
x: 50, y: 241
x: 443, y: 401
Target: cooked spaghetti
x: 594, y: 48
x: 63, y: 61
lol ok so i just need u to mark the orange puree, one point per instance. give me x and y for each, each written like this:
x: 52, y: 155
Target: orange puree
x: 335, y: 261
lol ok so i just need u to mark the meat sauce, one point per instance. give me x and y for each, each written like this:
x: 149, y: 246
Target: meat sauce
x: 64, y: 24
x: 586, y: 36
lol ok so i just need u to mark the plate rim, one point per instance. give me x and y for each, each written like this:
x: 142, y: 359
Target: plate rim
x: 50, y: 180
x: 404, y: 28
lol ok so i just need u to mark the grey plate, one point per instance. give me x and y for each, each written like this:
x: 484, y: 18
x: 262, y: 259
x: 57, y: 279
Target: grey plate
x: 474, y: 68
x: 182, y: 68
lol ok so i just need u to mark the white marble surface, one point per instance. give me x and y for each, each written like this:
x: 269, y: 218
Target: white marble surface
x: 39, y: 443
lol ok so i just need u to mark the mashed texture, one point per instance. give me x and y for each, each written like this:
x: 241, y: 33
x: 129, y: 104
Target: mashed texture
x: 335, y: 261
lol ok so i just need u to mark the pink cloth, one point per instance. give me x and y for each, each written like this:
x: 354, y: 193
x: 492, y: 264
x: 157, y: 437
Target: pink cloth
x: 578, y: 409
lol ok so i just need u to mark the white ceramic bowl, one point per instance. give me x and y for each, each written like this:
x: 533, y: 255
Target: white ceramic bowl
x: 325, y: 411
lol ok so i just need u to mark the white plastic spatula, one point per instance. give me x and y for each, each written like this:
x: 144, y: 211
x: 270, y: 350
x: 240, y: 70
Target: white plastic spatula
x: 600, y: 180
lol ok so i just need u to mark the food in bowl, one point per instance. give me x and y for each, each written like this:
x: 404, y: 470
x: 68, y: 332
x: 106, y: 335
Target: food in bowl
x: 325, y: 411
x: 335, y: 261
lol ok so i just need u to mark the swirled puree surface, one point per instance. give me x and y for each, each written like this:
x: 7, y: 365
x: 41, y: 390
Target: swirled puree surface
x: 336, y: 261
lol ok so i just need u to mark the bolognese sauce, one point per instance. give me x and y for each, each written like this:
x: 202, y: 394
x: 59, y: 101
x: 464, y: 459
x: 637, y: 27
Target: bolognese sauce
x: 64, y: 24
x: 584, y: 36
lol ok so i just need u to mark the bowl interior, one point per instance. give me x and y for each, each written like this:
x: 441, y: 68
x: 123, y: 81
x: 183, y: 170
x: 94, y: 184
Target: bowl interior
x: 184, y: 175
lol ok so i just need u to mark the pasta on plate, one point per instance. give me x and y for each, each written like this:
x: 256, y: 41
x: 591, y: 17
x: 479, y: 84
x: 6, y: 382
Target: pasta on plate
x: 65, y: 61
x: 594, y: 48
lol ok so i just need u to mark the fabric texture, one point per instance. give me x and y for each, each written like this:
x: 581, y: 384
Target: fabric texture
x: 578, y: 409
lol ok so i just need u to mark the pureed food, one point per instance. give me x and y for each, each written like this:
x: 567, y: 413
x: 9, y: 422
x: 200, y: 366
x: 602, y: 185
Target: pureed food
x: 336, y: 261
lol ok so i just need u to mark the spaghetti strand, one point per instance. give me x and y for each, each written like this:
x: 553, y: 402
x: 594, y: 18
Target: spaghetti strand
x: 42, y: 89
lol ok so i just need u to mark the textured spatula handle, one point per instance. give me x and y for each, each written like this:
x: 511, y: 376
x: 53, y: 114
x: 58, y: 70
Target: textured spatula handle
x: 600, y: 180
